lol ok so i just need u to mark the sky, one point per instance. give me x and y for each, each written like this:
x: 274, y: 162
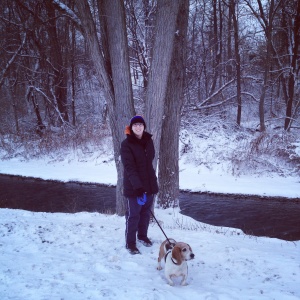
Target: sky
x: 83, y: 256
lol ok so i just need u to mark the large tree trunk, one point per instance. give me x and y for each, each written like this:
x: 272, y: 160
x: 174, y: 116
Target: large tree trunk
x: 117, y: 89
x: 168, y: 175
x: 123, y: 108
x: 167, y: 11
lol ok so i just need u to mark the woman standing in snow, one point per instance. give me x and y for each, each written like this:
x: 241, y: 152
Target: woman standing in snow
x: 140, y: 182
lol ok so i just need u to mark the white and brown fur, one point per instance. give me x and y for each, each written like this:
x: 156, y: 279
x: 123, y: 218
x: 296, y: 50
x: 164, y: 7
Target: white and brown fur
x: 165, y: 246
x: 176, y: 257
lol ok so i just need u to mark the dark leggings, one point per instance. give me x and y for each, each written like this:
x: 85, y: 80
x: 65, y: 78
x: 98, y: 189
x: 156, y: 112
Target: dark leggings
x: 137, y: 219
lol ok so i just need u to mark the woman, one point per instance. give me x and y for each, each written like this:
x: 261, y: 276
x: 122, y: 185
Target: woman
x: 140, y: 182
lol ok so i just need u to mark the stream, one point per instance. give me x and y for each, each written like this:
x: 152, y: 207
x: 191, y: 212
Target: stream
x: 255, y: 215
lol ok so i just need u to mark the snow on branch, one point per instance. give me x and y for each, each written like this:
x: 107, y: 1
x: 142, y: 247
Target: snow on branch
x: 250, y: 95
x: 9, y: 63
x: 32, y: 88
x: 202, y: 105
x: 214, y: 104
x: 69, y: 12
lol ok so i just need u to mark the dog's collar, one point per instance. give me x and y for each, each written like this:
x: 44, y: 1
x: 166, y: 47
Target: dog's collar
x: 173, y: 261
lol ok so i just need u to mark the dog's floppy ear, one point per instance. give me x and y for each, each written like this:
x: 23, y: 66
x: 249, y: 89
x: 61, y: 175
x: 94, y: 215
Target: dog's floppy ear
x: 176, y: 254
x: 169, y: 246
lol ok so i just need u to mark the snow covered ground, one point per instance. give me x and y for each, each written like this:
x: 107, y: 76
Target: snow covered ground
x: 82, y: 255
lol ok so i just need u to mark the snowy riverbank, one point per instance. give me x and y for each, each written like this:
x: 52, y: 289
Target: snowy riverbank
x: 102, y: 170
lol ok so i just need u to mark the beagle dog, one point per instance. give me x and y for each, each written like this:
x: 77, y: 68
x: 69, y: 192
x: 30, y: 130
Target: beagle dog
x: 176, y: 261
x: 165, y: 246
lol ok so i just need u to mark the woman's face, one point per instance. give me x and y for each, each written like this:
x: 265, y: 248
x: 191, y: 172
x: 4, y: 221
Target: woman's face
x: 138, y: 129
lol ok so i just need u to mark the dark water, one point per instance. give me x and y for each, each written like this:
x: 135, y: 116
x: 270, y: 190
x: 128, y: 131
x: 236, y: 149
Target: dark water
x: 54, y: 196
x: 259, y: 216
x: 272, y: 217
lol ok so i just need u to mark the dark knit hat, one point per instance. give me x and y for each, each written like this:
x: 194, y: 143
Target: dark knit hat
x: 137, y: 119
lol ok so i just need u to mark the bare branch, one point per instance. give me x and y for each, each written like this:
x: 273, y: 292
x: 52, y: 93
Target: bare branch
x: 216, y: 93
x: 68, y: 12
x: 10, y: 62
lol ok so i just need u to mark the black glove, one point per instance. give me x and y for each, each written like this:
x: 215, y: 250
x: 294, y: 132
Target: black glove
x: 139, y: 192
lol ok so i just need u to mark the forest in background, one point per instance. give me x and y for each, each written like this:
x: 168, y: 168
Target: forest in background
x: 240, y: 77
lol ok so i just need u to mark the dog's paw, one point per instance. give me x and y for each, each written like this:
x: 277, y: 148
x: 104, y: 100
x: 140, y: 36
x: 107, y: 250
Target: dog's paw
x: 159, y: 268
x: 184, y: 284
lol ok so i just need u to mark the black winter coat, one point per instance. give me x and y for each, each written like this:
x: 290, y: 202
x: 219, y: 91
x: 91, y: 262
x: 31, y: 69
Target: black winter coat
x: 137, y: 156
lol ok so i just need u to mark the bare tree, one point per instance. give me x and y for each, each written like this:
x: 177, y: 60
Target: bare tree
x: 294, y: 68
x: 160, y: 67
x: 59, y: 85
x: 216, y: 41
x: 168, y: 171
x: 140, y: 24
x: 265, y: 19
x: 11, y: 61
x: 117, y: 88
x: 233, y: 13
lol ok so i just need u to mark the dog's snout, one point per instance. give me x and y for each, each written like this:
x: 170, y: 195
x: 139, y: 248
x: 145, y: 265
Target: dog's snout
x: 192, y: 255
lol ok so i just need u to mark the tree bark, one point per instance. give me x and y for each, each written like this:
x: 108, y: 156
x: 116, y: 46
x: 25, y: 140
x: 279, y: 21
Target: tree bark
x: 117, y: 89
x: 237, y: 61
x: 293, y: 69
x: 267, y: 24
x: 60, y: 79
x: 268, y: 32
x: 122, y: 109
x: 168, y: 175
x: 216, y: 47
x: 160, y: 67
